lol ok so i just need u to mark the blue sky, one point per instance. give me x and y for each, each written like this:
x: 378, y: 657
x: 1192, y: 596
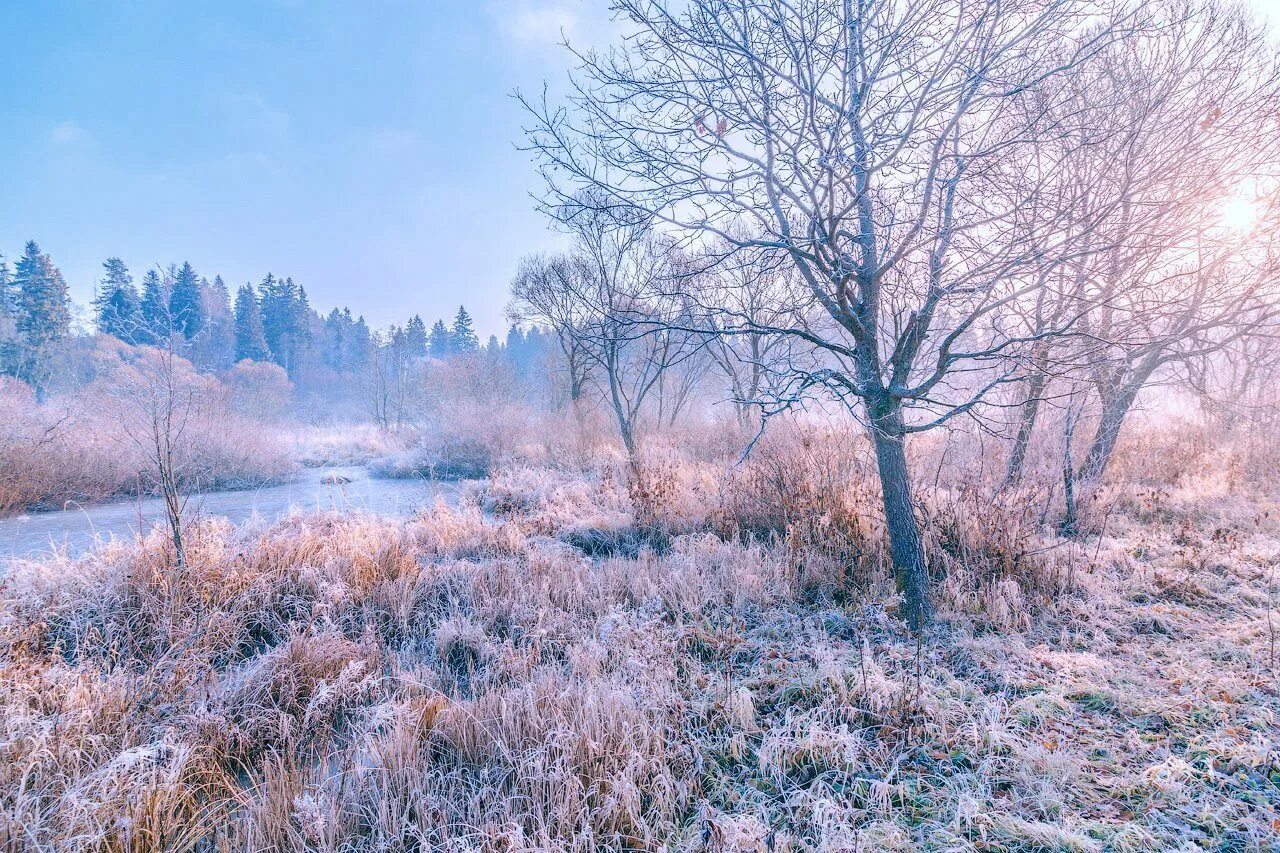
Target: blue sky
x: 366, y: 149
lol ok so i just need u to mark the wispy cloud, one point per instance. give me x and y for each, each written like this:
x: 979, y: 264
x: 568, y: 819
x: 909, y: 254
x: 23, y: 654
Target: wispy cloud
x: 67, y: 133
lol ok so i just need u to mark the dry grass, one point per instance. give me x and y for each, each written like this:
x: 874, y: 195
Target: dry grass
x: 461, y: 682
x: 342, y: 445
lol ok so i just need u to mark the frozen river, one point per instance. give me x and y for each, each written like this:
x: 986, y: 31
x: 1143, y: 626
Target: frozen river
x: 77, y: 528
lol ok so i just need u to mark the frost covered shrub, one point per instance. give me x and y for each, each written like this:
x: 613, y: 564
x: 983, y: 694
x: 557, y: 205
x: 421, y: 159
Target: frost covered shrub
x: 344, y: 444
x: 51, y: 454
x: 258, y: 390
x: 93, y: 444
x: 442, y: 457
x: 468, y: 414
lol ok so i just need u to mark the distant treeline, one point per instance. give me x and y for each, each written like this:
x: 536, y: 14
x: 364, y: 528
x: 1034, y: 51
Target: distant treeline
x: 270, y: 322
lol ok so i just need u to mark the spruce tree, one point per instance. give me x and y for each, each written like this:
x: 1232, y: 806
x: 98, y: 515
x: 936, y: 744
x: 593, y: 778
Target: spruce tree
x: 336, y: 331
x: 463, y: 333
x: 186, y: 303
x: 43, y: 312
x: 515, y: 341
x: 251, y: 342
x: 440, y: 342
x: 153, y: 311
x: 416, y: 337
x: 273, y: 301
x: 301, y: 317
x: 8, y: 319
x: 218, y: 344
x: 116, y: 306
x: 359, y: 343
x: 43, y: 306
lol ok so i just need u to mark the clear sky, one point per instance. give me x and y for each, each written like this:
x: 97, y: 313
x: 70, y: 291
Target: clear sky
x: 365, y: 148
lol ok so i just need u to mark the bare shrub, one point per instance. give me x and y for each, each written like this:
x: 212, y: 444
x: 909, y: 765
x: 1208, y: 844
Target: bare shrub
x: 258, y: 390
x: 74, y: 448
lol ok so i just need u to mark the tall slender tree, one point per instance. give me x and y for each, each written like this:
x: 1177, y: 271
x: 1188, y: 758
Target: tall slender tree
x: 440, y: 342
x: 216, y: 349
x: 416, y: 337
x: 154, y: 326
x: 359, y: 343
x: 186, y: 303
x: 337, y: 328
x: 43, y: 312
x: 251, y: 341
x: 463, y: 334
x: 8, y: 319
x: 8, y: 298
x: 116, y: 305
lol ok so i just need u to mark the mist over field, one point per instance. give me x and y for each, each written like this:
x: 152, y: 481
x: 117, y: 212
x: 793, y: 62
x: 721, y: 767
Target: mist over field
x: 877, y: 449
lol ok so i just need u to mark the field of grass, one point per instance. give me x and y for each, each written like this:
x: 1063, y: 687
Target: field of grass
x: 691, y: 655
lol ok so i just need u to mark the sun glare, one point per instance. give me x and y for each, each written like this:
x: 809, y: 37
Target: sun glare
x: 1239, y: 214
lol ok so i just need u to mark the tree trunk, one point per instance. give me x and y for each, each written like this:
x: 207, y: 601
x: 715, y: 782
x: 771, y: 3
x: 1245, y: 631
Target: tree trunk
x: 1070, y: 525
x: 628, y: 436
x: 1115, y: 408
x: 1026, y: 426
x: 900, y: 518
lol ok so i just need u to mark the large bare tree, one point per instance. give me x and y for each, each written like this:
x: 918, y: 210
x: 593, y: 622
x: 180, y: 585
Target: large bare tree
x: 885, y: 148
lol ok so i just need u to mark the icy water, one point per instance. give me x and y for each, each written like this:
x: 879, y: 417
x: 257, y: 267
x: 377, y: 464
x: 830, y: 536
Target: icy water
x: 77, y: 528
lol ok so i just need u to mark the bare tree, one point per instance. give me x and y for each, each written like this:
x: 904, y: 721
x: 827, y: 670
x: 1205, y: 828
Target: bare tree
x: 161, y: 394
x: 884, y: 148
x: 1236, y: 384
x: 742, y: 296
x: 611, y: 306
x: 386, y: 382
x: 546, y: 292
x: 1171, y: 282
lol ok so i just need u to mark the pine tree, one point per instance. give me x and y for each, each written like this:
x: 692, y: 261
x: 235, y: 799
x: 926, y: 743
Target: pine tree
x: 463, y: 334
x: 116, y: 306
x: 43, y: 306
x: 494, y: 346
x: 43, y: 311
x: 251, y: 342
x: 186, y: 304
x: 416, y: 337
x: 286, y: 319
x: 301, y: 317
x: 515, y: 341
x: 359, y: 343
x: 273, y: 301
x: 440, y: 342
x: 336, y: 330
x: 218, y: 342
x: 153, y: 311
